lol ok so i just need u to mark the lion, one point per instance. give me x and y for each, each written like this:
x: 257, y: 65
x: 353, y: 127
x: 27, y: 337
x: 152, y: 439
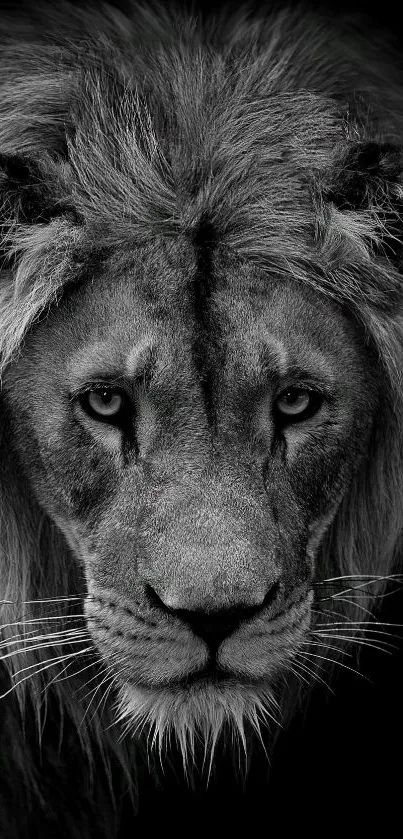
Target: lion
x: 201, y: 354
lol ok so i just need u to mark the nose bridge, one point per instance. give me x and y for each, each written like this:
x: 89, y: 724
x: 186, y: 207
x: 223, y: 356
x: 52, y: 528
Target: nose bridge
x: 210, y: 542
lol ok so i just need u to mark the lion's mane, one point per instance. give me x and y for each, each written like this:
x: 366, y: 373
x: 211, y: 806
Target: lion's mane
x: 81, y: 127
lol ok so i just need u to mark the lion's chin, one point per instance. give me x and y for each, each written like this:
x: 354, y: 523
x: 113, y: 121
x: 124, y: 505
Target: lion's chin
x: 197, y: 713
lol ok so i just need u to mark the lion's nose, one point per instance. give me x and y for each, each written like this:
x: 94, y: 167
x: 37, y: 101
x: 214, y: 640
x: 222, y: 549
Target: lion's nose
x: 214, y: 626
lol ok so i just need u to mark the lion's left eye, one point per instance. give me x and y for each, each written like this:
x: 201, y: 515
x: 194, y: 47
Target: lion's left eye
x: 103, y: 404
x: 297, y: 404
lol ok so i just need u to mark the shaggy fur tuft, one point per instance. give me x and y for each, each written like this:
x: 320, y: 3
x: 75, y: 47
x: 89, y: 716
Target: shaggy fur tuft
x: 199, y: 715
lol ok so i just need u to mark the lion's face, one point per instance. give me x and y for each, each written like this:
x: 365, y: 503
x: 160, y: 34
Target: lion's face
x: 193, y: 443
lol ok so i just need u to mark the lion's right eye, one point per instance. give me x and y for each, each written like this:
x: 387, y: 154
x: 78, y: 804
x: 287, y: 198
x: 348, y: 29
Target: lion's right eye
x: 105, y: 405
x: 297, y: 404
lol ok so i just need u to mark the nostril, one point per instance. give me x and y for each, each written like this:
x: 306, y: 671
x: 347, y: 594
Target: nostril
x: 271, y: 595
x: 155, y: 600
x: 222, y: 622
x: 214, y: 626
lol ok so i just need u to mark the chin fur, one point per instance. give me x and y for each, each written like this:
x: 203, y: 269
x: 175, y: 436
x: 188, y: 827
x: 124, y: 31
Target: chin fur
x: 197, y: 713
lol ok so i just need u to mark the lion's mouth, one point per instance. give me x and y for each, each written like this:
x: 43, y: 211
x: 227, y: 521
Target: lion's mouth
x: 250, y: 658
x: 183, y: 688
x: 212, y: 674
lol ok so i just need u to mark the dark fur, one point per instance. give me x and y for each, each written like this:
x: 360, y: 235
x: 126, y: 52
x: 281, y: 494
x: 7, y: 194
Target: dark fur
x: 277, y: 136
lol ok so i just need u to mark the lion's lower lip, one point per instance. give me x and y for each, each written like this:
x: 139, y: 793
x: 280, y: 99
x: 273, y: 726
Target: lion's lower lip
x: 210, y: 675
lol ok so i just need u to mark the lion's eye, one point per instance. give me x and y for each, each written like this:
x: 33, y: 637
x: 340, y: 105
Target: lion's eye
x: 297, y: 404
x: 103, y: 404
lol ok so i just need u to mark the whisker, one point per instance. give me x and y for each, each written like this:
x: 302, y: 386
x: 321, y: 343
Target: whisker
x: 42, y: 602
x: 26, y: 641
x: 310, y: 643
x: 103, y: 697
x: 52, y: 663
x: 102, y: 704
x: 352, y: 603
x: 322, y: 612
x: 311, y: 673
x: 77, y: 672
x: 82, y: 687
x: 39, y: 620
x: 308, y: 670
x: 328, y: 647
x: 94, y: 692
x: 302, y: 679
x: 339, y: 663
x: 68, y: 641
x: 366, y: 639
x: 370, y: 577
x: 26, y: 633
x: 110, y: 673
x: 56, y: 679
x: 363, y: 643
x: 365, y: 624
x: 361, y: 590
x: 368, y: 633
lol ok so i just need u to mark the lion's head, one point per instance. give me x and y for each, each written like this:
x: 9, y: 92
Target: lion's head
x: 201, y: 352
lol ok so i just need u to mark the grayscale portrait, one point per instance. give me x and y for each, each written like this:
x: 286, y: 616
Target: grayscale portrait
x: 201, y: 417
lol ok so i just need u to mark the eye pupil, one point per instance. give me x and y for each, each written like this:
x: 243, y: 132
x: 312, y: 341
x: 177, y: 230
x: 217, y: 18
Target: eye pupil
x: 106, y: 396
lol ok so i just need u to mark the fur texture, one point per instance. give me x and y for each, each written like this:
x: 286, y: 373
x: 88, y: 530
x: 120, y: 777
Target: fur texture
x: 245, y: 153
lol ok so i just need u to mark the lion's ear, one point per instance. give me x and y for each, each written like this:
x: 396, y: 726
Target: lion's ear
x: 20, y: 189
x: 32, y: 192
x: 38, y: 240
x: 368, y: 178
x: 365, y: 173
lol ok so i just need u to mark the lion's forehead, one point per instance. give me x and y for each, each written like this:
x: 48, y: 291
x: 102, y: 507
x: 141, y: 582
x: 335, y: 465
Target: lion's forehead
x: 156, y: 303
